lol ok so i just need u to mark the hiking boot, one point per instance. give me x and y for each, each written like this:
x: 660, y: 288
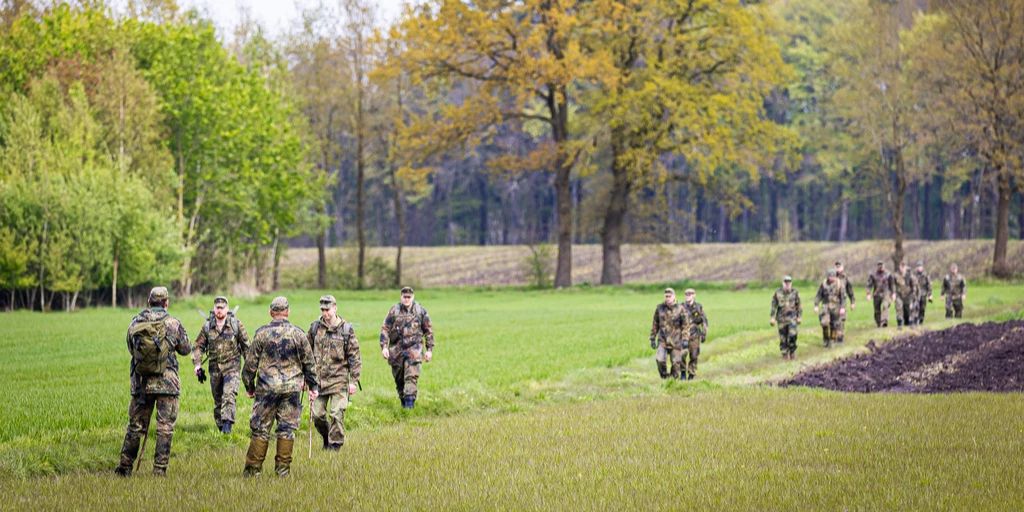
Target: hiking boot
x: 255, y: 456
x: 225, y: 428
x: 158, y: 471
x: 123, y: 471
x: 334, y: 447
x: 283, y: 458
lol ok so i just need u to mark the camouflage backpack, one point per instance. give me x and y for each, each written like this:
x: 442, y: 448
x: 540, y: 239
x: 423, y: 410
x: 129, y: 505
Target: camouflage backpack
x: 150, y: 346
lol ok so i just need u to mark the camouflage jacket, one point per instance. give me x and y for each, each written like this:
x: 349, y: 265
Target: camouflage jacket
x: 954, y: 286
x: 168, y: 383
x: 698, y: 321
x: 225, y: 346
x: 335, y: 354
x: 846, y: 286
x: 831, y: 295
x: 924, y: 284
x: 670, y: 324
x: 280, y: 358
x: 407, y: 327
x: 906, y: 285
x: 786, y: 306
x: 880, y: 284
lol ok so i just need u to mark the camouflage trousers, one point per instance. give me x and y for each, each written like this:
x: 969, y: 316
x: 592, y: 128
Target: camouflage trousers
x: 225, y: 389
x: 661, y: 358
x: 922, y: 304
x: 831, y: 325
x: 787, y: 337
x: 140, y: 410
x: 329, y: 417
x: 691, y: 353
x: 405, y: 368
x: 284, y: 408
x: 881, y: 311
x: 954, y: 307
x: 906, y: 311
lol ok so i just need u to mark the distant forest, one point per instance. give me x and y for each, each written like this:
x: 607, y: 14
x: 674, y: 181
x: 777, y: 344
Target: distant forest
x: 138, y: 145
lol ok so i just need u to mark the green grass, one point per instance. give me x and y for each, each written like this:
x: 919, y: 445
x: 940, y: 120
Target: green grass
x: 550, y: 396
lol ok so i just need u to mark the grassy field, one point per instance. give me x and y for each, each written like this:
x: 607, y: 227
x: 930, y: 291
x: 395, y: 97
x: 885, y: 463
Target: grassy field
x: 659, y: 263
x: 536, y: 399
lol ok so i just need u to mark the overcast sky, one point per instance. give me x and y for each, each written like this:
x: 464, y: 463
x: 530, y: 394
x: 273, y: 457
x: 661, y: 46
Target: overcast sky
x: 275, y: 15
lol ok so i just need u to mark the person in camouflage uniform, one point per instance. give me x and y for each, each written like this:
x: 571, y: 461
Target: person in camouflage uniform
x: 906, y: 296
x: 832, y: 299
x: 668, y: 333
x: 277, y: 366
x: 224, y: 338
x: 338, y: 365
x: 954, y: 288
x: 881, y: 288
x: 697, y: 324
x: 406, y: 329
x: 847, y: 287
x: 154, y: 381
x: 924, y: 290
x: 786, y: 314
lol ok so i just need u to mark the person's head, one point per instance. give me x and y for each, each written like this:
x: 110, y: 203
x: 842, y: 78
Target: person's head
x: 407, y: 296
x: 328, y: 307
x: 839, y: 267
x: 691, y: 295
x: 903, y: 265
x: 670, y: 296
x: 831, y: 276
x: 279, y: 308
x: 880, y: 266
x: 220, y: 307
x: 787, y: 282
x: 920, y: 265
x: 159, y: 298
x: 953, y: 268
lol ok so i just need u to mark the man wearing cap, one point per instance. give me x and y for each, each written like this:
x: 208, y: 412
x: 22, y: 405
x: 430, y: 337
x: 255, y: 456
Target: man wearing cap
x: 954, y: 287
x: 668, y: 333
x: 924, y: 290
x: 697, y: 331
x: 906, y: 296
x: 338, y: 365
x: 153, y: 338
x: 223, y: 337
x: 786, y: 313
x: 405, y: 330
x: 880, y: 289
x: 277, y: 366
x: 847, y: 287
x: 832, y: 300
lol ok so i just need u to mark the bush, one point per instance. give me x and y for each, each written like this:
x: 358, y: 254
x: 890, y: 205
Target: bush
x: 539, y: 266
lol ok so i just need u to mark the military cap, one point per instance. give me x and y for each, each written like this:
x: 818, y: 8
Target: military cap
x: 920, y: 263
x: 787, y: 278
x: 670, y: 290
x: 690, y: 291
x: 839, y: 263
x: 832, y: 272
x: 880, y: 263
x: 220, y: 299
x: 158, y: 293
x: 327, y: 300
x: 279, y: 304
x: 407, y: 289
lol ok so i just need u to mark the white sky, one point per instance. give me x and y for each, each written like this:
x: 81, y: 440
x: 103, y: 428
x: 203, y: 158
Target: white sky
x: 275, y: 15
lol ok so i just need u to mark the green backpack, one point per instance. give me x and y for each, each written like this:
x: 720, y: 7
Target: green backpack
x: 150, y: 347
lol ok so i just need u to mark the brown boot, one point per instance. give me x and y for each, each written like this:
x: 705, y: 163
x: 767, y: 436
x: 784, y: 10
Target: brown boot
x: 283, y: 459
x: 255, y: 456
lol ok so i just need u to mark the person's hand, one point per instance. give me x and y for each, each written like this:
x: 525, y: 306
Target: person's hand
x: 385, y: 352
x: 772, y: 321
x: 867, y: 296
x: 798, y: 320
x: 815, y: 309
x: 929, y: 299
x: 252, y: 394
x: 352, y: 389
x: 964, y: 296
x: 653, y: 344
x: 428, y: 355
x: 853, y: 305
x: 842, y: 311
x: 313, y: 394
x: 198, y: 369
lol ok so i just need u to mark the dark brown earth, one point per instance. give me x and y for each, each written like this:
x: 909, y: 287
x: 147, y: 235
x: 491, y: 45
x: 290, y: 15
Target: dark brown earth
x: 968, y: 357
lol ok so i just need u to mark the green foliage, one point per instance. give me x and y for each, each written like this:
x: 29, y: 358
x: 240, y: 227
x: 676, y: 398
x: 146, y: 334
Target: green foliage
x: 341, y: 274
x: 539, y: 265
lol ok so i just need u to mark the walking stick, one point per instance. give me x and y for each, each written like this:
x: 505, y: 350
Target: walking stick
x: 310, y: 427
x: 142, y: 451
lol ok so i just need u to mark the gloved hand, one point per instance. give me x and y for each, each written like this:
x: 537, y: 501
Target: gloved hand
x: 653, y: 344
x: 201, y: 374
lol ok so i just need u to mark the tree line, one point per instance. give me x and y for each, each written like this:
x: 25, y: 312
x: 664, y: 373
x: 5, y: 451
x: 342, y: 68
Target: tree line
x: 138, y: 145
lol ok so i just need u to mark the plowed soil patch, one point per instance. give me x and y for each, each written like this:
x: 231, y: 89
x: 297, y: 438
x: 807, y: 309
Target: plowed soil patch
x: 968, y: 357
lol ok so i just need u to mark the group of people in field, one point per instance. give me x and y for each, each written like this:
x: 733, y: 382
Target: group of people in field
x: 282, y: 361
x: 909, y: 290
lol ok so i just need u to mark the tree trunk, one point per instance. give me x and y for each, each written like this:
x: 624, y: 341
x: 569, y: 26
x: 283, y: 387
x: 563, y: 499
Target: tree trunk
x: 1020, y: 218
x: 74, y: 301
x: 1000, y: 267
x: 113, y: 281
x: 400, y: 219
x: 559, y: 109
x: 360, y: 193
x: 484, y: 223
x: 275, y: 281
x: 614, y: 216
x: 844, y: 219
x: 897, y: 200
